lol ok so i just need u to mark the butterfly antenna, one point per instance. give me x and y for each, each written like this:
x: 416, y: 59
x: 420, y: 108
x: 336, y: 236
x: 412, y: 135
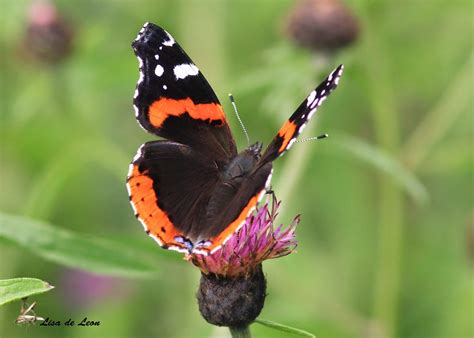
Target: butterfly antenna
x: 238, y: 117
x: 313, y: 138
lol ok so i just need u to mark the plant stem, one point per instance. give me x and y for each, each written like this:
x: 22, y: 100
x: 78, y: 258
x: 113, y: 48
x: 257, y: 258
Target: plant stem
x: 390, y: 201
x: 240, y: 332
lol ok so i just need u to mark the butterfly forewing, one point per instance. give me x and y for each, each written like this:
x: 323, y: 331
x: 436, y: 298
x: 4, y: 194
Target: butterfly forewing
x: 288, y: 133
x: 174, y: 100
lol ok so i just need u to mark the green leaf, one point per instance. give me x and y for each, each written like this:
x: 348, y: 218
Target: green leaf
x: 284, y: 328
x: 384, y: 162
x: 47, y: 188
x: 18, y: 288
x: 91, y: 253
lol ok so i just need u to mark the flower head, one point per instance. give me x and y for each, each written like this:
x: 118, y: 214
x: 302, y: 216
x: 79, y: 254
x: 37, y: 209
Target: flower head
x: 232, y: 289
x: 49, y: 35
x: 323, y: 25
x: 256, y: 241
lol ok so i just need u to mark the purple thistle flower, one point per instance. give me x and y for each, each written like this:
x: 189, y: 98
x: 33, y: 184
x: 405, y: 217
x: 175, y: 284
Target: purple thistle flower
x: 257, y: 240
x: 232, y: 289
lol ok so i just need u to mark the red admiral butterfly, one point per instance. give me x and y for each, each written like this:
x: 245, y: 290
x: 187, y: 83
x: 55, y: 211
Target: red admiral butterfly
x: 192, y: 191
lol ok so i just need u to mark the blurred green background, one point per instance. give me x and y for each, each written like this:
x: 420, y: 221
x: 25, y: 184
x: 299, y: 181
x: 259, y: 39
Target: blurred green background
x: 386, y: 242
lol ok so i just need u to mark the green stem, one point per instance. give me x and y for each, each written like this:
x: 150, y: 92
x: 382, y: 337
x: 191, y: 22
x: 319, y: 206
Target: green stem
x: 240, y: 332
x: 390, y: 206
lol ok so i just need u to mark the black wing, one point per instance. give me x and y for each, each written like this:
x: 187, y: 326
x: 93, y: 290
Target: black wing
x: 169, y: 186
x: 297, y: 122
x: 174, y: 100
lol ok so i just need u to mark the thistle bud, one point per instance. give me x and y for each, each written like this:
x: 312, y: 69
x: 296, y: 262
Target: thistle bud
x: 325, y: 25
x: 232, y: 301
x: 48, y: 36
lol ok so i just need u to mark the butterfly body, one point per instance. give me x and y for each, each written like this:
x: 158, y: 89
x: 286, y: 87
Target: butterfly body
x: 193, y: 190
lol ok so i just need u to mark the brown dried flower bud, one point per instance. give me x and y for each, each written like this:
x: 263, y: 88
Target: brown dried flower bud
x: 232, y: 301
x: 325, y: 25
x: 48, y: 36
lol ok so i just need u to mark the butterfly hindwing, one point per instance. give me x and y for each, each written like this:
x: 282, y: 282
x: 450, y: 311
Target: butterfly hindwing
x: 174, y: 100
x: 169, y: 185
x: 235, y: 209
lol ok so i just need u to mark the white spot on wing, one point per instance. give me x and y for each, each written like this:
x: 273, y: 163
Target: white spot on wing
x: 321, y: 100
x: 140, y: 68
x: 170, y: 42
x: 311, y: 113
x: 269, y: 181
x: 135, y: 94
x: 301, y: 128
x: 159, y: 70
x: 184, y: 70
x: 141, y: 31
x: 314, y: 103
x: 157, y: 57
x: 311, y: 97
x: 290, y: 144
x: 165, y: 87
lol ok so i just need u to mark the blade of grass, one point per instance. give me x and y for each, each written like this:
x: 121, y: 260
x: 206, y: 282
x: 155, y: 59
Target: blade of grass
x: 91, y: 253
x: 437, y: 122
x: 384, y: 162
x: 284, y: 328
x: 18, y: 288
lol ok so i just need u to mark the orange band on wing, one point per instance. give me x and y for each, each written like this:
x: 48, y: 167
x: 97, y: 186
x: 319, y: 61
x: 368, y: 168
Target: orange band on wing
x: 165, y: 107
x: 232, y: 227
x: 286, y: 132
x: 144, y: 199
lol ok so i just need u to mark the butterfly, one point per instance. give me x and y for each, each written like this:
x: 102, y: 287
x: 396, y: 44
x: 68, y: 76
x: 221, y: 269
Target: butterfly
x: 193, y: 190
